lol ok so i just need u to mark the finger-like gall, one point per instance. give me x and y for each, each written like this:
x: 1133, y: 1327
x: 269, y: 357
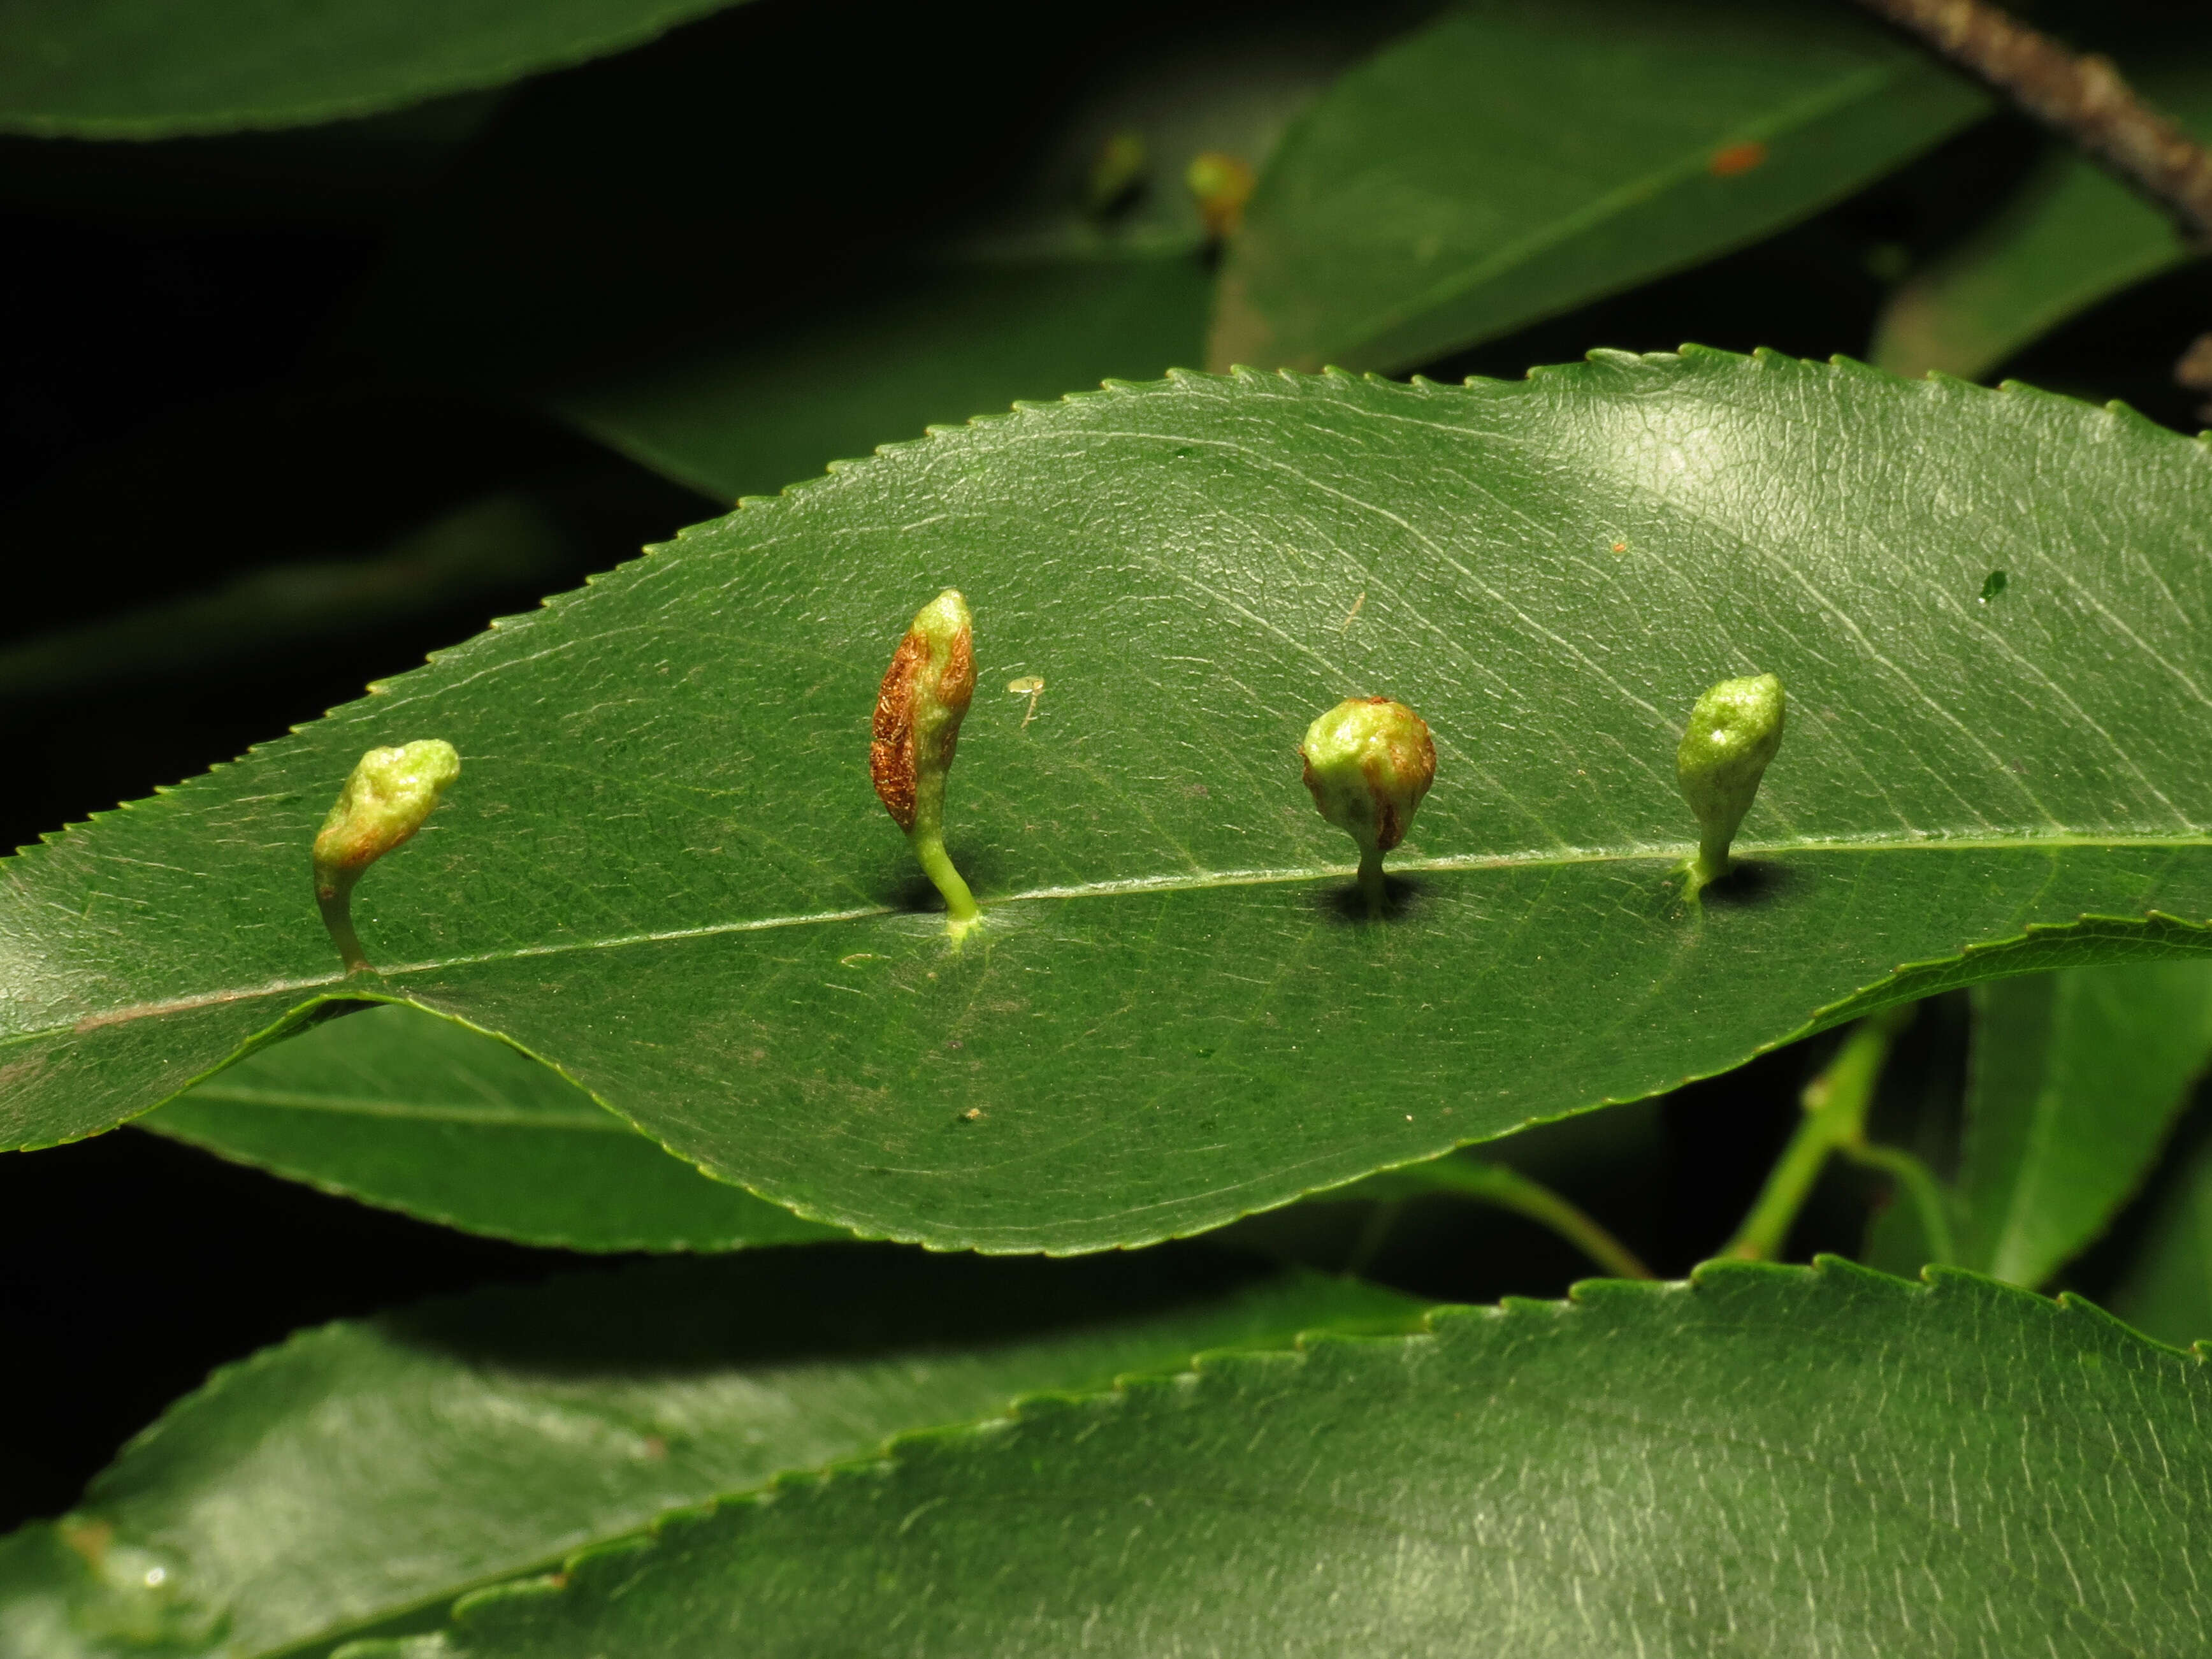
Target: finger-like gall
x: 923, y: 697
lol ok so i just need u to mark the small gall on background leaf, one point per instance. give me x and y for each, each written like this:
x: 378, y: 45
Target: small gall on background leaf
x: 384, y: 801
x: 1736, y: 159
x: 1368, y: 762
x: 1733, y: 731
x: 1117, y: 173
x: 1221, y: 185
x: 923, y: 699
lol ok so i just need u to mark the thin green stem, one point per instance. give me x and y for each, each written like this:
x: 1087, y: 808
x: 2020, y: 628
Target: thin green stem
x: 337, y: 916
x: 1920, y: 1187
x: 959, y: 903
x: 1836, y: 1104
x: 1509, y: 1190
x: 1711, y: 863
x: 1378, y: 892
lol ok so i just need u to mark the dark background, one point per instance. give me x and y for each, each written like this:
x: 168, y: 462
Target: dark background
x: 227, y: 356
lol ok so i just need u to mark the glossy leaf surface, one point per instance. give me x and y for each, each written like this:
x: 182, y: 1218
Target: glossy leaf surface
x: 1519, y: 157
x: 664, y: 870
x: 1769, y: 1461
x: 366, y: 1469
x: 149, y: 69
x: 397, y: 1108
x: 2076, y: 1078
x: 2072, y: 236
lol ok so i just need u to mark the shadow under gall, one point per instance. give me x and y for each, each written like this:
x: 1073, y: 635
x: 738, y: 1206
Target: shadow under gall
x: 1341, y: 902
x: 1750, y: 881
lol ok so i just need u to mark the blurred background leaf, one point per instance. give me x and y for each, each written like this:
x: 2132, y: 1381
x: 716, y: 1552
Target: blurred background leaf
x: 2077, y: 1076
x: 1516, y: 158
x: 147, y: 69
x: 495, y: 545
x: 2168, y: 1289
x: 2071, y: 236
x: 1037, y: 289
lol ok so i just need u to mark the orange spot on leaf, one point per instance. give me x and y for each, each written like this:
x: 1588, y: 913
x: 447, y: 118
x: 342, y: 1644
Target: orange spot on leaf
x: 1737, y: 158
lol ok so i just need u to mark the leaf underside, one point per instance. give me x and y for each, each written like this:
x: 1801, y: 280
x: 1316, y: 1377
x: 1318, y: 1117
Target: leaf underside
x: 664, y: 872
x: 1767, y: 1461
x: 365, y: 1469
x: 2076, y: 1078
x: 2168, y: 1288
x: 397, y: 1108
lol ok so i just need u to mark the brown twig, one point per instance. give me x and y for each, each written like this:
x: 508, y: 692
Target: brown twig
x: 2081, y: 97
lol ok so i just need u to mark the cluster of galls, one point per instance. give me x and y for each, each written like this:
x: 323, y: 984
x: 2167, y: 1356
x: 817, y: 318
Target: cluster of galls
x: 1368, y: 762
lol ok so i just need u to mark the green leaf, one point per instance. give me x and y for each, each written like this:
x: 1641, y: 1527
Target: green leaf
x: 416, y: 1114
x: 2077, y: 1076
x: 150, y: 69
x: 1767, y: 1461
x: 1520, y: 157
x: 2168, y: 1288
x: 664, y: 871
x: 361, y: 1470
x: 2072, y: 236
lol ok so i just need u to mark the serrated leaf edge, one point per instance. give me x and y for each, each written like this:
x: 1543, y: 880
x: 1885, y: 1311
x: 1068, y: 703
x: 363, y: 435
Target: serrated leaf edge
x: 1835, y: 1274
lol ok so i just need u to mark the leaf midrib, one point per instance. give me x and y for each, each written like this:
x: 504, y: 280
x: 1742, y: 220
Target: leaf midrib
x: 503, y: 1117
x: 2025, y: 840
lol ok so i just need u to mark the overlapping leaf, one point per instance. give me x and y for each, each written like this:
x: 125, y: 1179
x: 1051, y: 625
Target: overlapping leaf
x: 399, y: 1109
x: 664, y: 870
x: 363, y: 1470
x: 1771, y: 1460
x: 1519, y: 157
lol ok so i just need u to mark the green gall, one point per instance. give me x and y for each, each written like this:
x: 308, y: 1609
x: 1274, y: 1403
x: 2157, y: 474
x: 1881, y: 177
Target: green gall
x: 1116, y: 173
x: 383, y: 804
x: 1221, y: 184
x: 1368, y: 762
x: 923, y: 699
x: 1733, y: 731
